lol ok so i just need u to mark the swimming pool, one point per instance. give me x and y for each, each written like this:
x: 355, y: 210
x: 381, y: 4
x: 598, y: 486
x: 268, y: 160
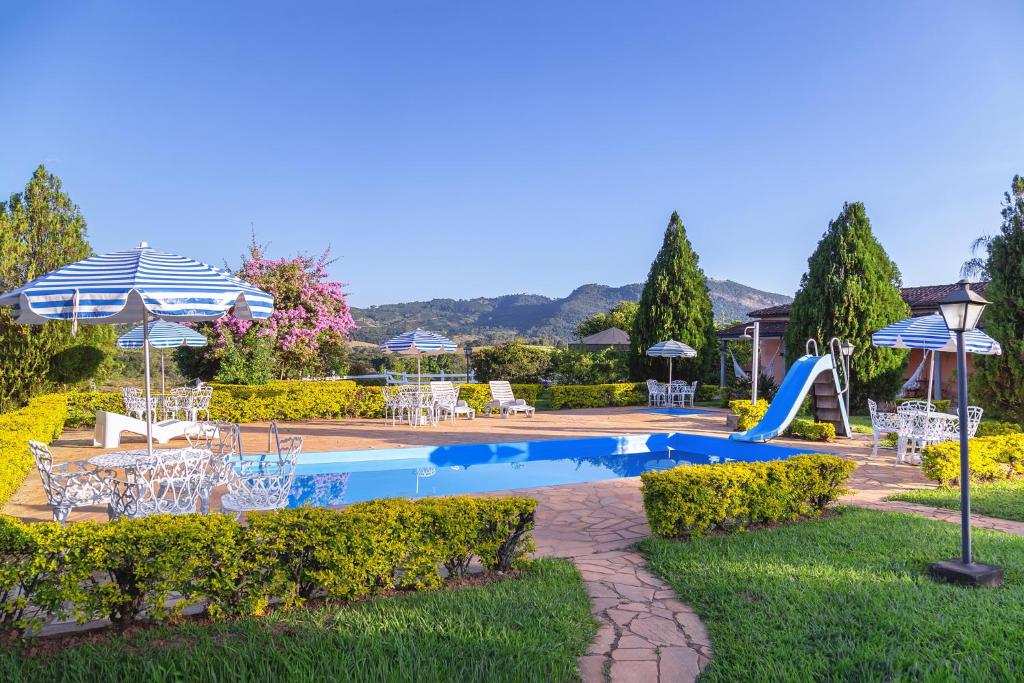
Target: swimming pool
x: 344, y: 477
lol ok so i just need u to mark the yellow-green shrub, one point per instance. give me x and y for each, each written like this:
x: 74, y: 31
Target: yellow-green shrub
x: 689, y: 501
x: 997, y: 428
x: 132, y: 567
x: 990, y: 457
x: 41, y: 420
x: 749, y: 414
x: 811, y: 430
x: 598, y: 395
x: 82, y: 406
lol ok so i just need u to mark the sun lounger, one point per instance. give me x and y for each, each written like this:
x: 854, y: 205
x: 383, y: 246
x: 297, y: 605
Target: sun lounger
x: 110, y: 425
x: 505, y: 401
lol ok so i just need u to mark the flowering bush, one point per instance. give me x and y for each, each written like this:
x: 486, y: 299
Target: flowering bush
x: 307, y: 330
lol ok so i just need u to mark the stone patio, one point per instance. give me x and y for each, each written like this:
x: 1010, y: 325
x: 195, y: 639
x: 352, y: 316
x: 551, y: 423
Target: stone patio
x: 646, y: 633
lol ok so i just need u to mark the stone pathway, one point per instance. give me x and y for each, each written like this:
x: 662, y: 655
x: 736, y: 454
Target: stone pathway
x: 952, y: 516
x: 646, y: 633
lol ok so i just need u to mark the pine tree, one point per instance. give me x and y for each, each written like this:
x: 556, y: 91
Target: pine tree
x: 41, y: 229
x: 1000, y: 379
x: 851, y: 289
x: 675, y: 304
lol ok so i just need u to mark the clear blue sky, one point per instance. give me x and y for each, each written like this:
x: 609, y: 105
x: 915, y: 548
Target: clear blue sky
x: 465, y: 149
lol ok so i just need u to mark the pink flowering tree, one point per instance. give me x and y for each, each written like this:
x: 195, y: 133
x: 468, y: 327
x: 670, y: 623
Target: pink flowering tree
x: 305, y: 335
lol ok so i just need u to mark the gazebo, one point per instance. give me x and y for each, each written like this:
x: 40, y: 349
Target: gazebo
x: 613, y: 337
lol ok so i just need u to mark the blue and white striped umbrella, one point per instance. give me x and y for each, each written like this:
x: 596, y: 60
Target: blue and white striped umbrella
x: 671, y: 349
x: 929, y: 332
x: 162, y: 335
x: 118, y: 287
x: 418, y: 343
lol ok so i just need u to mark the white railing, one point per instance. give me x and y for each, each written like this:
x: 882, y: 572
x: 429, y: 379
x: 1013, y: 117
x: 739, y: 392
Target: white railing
x: 405, y: 377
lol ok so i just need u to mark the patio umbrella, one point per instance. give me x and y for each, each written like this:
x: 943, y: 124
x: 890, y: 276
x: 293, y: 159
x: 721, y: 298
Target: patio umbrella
x: 929, y: 332
x: 162, y: 335
x: 671, y: 349
x: 133, y: 286
x: 418, y: 343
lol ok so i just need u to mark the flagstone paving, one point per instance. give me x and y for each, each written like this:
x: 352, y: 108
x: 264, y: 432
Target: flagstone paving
x: 646, y: 633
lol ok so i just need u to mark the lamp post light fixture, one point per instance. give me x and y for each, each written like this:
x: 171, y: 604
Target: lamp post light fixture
x: 961, y: 310
x: 468, y: 349
x: 847, y: 350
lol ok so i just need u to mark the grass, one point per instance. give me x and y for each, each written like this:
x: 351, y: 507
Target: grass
x: 848, y: 598
x: 530, y: 628
x: 861, y: 424
x: 1003, y: 499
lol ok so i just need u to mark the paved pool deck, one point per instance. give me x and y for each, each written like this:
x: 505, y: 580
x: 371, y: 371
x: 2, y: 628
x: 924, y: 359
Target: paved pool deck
x: 646, y: 633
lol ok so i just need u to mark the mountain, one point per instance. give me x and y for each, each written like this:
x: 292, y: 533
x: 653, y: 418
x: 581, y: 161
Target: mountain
x: 533, y: 316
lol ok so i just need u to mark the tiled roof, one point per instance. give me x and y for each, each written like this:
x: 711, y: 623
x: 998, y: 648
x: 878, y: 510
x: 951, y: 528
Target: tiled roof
x: 917, y: 298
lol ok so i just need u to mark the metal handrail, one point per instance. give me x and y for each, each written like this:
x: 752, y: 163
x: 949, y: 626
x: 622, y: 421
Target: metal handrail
x: 275, y: 434
x: 835, y: 347
x: 810, y: 343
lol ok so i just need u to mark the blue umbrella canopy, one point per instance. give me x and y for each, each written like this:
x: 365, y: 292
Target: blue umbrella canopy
x: 418, y: 342
x: 162, y: 335
x: 929, y: 332
x: 121, y: 286
x: 672, y: 349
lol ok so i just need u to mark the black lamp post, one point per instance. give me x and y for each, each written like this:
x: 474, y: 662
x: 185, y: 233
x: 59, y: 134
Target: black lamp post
x: 468, y: 349
x: 961, y: 310
x: 847, y: 348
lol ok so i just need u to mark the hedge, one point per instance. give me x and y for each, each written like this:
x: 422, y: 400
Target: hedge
x: 285, y: 400
x: 598, y: 395
x: 811, y: 430
x: 749, y: 414
x: 152, y: 568
x: 990, y: 458
x: 997, y: 428
x: 41, y: 420
x: 690, y: 501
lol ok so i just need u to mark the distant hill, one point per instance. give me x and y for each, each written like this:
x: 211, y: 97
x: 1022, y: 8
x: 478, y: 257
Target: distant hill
x: 533, y: 316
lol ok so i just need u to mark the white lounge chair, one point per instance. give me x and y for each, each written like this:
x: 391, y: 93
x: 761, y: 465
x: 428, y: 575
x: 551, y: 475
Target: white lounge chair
x: 109, y: 426
x: 505, y: 401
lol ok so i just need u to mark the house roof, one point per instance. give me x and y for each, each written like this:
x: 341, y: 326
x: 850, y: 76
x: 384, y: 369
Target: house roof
x: 613, y: 336
x: 917, y: 298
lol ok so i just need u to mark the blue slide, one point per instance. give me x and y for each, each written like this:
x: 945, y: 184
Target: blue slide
x: 789, y: 398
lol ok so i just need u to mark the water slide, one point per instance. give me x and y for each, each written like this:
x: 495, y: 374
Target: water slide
x: 790, y: 397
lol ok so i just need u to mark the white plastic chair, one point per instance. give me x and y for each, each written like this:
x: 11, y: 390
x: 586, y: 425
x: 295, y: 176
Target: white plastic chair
x: 71, y: 484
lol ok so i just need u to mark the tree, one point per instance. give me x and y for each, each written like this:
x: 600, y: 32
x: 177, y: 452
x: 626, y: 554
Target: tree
x: 41, y: 229
x: 622, y: 316
x: 513, y: 361
x: 850, y: 290
x: 1000, y: 379
x: 674, y: 304
x: 308, y: 329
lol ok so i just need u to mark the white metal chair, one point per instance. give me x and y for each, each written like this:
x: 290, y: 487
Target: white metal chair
x: 200, y: 398
x: 71, y: 484
x: 445, y: 399
x: 915, y: 429
x: 505, y: 401
x: 178, y: 401
x: 882, y: 424
x: 392, y: 405
x: 263, y: 482
x: 169, y: 485
x: 974, y: 414
x: 135, y: 403
x: 656, y: 393
x: 222, y: 440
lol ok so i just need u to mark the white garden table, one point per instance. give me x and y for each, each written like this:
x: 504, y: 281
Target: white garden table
x: 140, y: 458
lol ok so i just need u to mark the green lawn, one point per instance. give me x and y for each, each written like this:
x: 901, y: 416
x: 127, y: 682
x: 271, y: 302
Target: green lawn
x: 1003, y: 499
x: 531, y: 628
x: 848, y: 598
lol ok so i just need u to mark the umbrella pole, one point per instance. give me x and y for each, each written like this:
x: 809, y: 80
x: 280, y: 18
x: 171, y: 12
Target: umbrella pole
x: 145, y: 353
x: 931, y: 376
x: 163, y: 378
x: 670, y: 369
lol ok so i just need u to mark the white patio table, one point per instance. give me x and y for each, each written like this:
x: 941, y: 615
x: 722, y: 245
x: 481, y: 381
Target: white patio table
x: 920, y: 428
x: 139, y: 458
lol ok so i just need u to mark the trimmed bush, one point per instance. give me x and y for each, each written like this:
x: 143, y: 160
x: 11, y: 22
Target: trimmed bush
x: 41, y: 420
x: 130, y: 569
x: 690, y: 501
x: 82, y: 406
x: 749, y: 414
x: 990, y: 458
x: 811, y: 430
x: 598, y: 395
x: 997, y: 429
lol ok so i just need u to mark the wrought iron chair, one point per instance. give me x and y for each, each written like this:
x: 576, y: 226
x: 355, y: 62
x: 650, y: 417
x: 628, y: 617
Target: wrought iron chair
x: 135, y: 403
x: 656, y: 393
x: 262, y: 482
x: 882, y: 424
x: 222, y: 441
x: 200, y: 402
x: 71, y: 484
x: 169, y: 485
x: 177, y: 402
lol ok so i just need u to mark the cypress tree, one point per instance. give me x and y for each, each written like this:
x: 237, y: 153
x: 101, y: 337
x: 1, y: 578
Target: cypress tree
x: 851, y: 289
x: 675, y: 304
x: 1000, y: 379
x: 41, y: 229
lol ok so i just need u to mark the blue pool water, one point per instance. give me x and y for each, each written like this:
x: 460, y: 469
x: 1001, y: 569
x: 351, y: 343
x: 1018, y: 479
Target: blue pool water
x: 346, y: 477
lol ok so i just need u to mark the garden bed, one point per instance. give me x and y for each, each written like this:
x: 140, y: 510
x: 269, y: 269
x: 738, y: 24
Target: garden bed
x: 848, y: 598
x: 529, y: 628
